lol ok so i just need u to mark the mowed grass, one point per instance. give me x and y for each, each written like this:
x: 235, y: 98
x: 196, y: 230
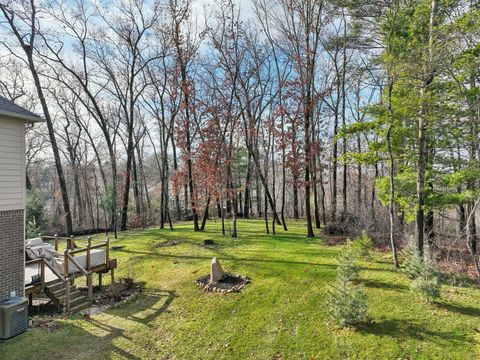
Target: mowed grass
x: 280, y: 315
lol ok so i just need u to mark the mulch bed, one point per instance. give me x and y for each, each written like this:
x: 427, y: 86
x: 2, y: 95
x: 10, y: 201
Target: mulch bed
x: 230, y: 283
x: 108, y: 296
x: 47, y: 323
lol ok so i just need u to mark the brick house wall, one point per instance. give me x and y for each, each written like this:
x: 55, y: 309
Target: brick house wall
x: 12, y: 256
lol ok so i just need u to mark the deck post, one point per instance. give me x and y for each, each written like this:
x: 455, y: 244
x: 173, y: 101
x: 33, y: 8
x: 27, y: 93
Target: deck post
x: 67, y: 295
x: 42, y: 271
x: 30, y: 299
x: 90, y: 288
x: 107, y: 250
x: 56, y: 242
x: 71, y: 243
x: 112, y: 275
x: 65, y: 262
x: 89, y: 244
x: 100, y: 279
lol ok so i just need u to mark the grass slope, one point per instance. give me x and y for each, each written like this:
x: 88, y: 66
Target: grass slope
x: 280, y: 315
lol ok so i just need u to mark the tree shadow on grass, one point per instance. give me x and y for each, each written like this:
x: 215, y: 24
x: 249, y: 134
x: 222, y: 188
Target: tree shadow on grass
x: 228, y: 258
x: 464, y: 310
x: 384, y: 286
x: 245, y: 233
x: 183, y: 237
x: 149, y: 305
x: 112, y: 333
x: 401, y: 329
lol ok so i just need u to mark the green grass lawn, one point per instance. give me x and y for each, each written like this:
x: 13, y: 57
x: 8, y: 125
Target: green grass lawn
x: 280, y: 315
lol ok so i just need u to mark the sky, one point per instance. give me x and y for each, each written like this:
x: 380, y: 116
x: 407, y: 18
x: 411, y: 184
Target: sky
x: 244, y: 5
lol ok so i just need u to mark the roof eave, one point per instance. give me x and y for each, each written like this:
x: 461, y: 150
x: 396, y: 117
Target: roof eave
x: 26, y: 118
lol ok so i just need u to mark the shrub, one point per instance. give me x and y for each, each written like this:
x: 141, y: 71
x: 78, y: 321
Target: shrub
x: 346, y: 300
x: 336, y: 228
x: 34, y: 216
x: 363, y: 245
x: 424, y: 275
x: 32, y: 230
x: 348, y: 269
x: 427, y: 283
x: 413, y: 263
x: 347, y: 303
x: 428, y: 287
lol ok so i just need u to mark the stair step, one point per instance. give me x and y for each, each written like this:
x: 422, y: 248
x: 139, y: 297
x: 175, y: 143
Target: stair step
x: 78, y: 301
x: 56, y: 291
x: 72, y: 298
x: 55, y: 285
x: 61, y: 299
x: 62, y: 291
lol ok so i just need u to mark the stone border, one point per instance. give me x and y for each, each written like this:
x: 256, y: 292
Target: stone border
x: 222, y: 287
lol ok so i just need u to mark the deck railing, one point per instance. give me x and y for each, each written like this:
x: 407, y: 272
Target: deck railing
x: 88, y: 274
x: 65, y: 279
x: 71, y: 251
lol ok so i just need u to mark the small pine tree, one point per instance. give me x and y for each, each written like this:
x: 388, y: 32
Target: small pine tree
x: 427, y: 287
x: 424, y: 275
x: 363, y: 245
x: 413, y: 263
x: 347, y: 263
x: 427, y: 283
x: 346, y: 300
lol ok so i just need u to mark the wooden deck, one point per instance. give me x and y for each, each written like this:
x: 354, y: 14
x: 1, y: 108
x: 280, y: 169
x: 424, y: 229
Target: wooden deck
x: 34, y: 269
x: 77, y: 262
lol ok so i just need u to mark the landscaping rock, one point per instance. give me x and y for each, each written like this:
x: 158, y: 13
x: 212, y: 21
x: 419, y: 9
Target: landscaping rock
x: 220, y: 282
x: 216, y: 271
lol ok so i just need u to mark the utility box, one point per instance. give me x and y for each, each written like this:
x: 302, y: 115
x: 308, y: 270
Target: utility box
x: 13, y: 317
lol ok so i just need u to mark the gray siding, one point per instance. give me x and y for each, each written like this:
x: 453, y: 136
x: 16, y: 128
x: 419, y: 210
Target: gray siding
x: 12, y: 164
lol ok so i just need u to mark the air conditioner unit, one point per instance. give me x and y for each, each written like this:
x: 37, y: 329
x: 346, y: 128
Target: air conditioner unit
x: 13, y: 317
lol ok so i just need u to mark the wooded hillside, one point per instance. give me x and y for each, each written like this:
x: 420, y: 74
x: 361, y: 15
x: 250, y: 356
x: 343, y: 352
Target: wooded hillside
x: 350, y: 114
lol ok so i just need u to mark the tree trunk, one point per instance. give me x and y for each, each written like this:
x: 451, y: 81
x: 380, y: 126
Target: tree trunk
x: 422, y: 139
x: 295, y: 197
x: 246, y: 207
x: 128, y: 171
x: 205, y: 214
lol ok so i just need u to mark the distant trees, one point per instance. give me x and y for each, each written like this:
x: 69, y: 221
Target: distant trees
x: 305, y: 109
x: 22, y: 18
x: 415, y: 122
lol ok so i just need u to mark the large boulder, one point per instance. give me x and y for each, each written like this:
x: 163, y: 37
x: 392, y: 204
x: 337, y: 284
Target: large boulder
x: 216, y: 271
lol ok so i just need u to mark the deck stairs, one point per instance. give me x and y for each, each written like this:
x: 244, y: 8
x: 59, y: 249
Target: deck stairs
x: 57, y: 292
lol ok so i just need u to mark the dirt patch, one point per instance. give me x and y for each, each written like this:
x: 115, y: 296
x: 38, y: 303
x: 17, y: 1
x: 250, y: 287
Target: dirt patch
x: 228, y: 284
x: 166, y: 243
